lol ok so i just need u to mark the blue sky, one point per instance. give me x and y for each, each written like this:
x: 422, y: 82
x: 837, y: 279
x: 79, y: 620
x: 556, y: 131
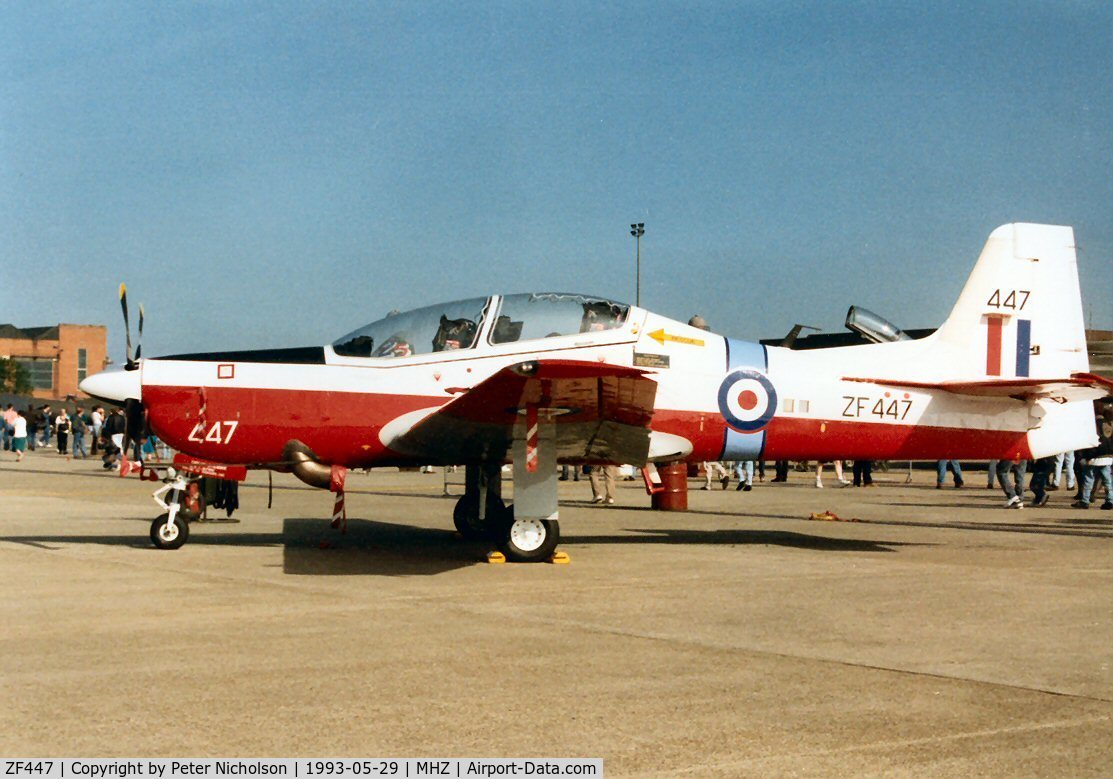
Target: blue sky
x: 278, y: 174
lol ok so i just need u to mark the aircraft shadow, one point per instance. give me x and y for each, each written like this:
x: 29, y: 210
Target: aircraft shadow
x: 372, y: 548
x: 1065, y: 526
x: 987, y: 501
x: 1061, y: 528
x: 101, y: 474
x: 731, y: 537
x: 739, y: 514
x: 1079, y: 521
x: 311, y: 548
x: 140, y: 540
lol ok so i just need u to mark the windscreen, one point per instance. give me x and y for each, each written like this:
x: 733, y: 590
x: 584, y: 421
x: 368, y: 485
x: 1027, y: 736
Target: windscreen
x: 551, y: 314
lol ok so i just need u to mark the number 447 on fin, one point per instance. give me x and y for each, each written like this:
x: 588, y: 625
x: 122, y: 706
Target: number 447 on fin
x: 1011, y: 300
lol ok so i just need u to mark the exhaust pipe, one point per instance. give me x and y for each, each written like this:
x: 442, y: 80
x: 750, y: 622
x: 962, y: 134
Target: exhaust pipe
x: 305, y: 465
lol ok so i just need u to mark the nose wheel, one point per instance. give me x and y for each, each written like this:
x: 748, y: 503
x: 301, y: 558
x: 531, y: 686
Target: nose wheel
x: 169, y: 535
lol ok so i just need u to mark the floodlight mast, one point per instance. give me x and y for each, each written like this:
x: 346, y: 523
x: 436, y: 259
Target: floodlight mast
x: 638, y: 230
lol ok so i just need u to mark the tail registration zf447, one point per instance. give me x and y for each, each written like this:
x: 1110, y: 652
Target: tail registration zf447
x: 859, y: 406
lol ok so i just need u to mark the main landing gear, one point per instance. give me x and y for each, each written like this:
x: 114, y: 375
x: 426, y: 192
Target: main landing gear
x: 527, y: 531
x: 482, y: 490
x: 525, y: 540
x: 529, y: 540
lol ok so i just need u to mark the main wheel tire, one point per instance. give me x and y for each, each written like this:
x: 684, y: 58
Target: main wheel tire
x: 529, y: 540
x: 465, y: 516
x: 171, y: 537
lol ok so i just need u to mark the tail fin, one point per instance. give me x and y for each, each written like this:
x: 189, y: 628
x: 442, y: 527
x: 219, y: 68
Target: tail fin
x: 1020, y: 313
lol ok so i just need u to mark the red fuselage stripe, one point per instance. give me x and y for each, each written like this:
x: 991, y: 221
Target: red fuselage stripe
x: 814, y: 439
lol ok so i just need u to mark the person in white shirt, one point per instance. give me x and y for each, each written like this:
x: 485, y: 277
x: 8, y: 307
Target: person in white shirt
x: 62, y: 427
x: 96, y: 420
x: 19, y: 436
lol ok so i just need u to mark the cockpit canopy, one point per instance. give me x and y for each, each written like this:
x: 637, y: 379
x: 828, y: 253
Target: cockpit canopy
x: 457, y: 325
x: 873, y: 327
x: 421, y: 331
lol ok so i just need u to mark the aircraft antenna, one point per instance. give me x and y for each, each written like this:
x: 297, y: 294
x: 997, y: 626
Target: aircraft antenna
x: 638, y: 230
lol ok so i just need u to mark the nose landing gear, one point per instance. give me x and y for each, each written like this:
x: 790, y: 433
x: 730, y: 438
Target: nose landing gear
x: 171, y: 529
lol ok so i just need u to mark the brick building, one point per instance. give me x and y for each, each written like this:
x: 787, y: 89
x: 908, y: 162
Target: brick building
x: 56, y: 358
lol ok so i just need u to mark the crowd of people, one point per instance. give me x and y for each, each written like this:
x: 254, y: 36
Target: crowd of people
x: 744, y: 471
x: 1087, y: 471
x: 77, y: 433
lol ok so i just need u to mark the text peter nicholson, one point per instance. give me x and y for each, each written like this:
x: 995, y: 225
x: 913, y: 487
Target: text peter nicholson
x: 325, y: 768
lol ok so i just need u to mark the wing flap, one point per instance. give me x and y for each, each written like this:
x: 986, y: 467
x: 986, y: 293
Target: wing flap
x: 601, y: 414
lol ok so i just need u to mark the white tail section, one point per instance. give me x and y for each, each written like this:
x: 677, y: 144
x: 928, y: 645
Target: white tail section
x: 1020, y: 313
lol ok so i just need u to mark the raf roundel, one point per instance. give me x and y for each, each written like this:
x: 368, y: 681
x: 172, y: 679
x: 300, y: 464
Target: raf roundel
x: 747, y: 400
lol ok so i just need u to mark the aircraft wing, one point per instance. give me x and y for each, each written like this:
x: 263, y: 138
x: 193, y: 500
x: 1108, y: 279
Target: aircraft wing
x: 601, y: 414
x: 1080, y: 386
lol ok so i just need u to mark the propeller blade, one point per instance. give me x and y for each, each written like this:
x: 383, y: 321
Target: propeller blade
x: 127, y: 327
x: 139, y: 340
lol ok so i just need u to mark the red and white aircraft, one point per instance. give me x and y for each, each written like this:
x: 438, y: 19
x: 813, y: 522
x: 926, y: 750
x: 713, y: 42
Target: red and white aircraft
x: 542, y: 379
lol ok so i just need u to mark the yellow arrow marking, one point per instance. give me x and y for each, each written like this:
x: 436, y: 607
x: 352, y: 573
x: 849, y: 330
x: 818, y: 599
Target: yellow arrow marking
x: 660, y: 336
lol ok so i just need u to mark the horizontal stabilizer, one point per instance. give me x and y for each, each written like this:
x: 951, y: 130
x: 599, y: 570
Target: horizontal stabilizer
x: 1080, y: 386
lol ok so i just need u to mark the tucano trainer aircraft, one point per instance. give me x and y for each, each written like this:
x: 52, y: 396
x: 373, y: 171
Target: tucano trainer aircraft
x: 541, y: 379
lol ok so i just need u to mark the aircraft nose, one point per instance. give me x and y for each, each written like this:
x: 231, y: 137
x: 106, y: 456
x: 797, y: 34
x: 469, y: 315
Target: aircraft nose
x: 114, y: 384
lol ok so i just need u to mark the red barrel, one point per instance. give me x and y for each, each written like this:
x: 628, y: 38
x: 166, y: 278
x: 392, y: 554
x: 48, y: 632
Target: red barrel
x: 674, y: 493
